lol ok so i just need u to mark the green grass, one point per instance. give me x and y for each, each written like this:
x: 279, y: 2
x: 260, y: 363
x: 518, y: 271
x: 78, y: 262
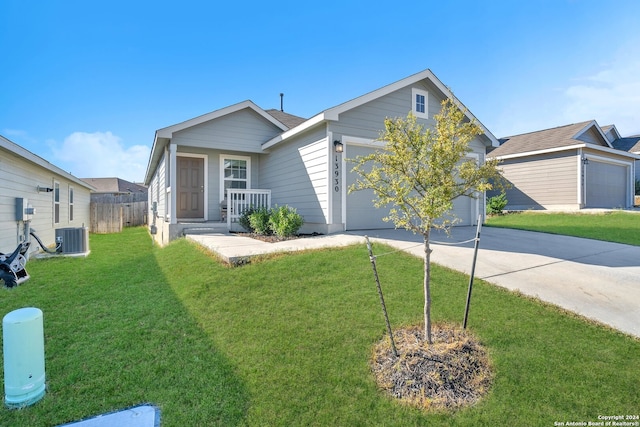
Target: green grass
x: 620, y: 227
x: 287, y: 341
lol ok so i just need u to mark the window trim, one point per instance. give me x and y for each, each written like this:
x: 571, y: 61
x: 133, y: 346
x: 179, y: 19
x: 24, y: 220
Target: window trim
x: 56, y: 203
x: 414, y: 94
x: 224, y: 157
x: 71, y: 203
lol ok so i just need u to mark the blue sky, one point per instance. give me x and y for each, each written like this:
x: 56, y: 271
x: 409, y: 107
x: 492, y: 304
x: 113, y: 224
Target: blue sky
x: 85, y: 84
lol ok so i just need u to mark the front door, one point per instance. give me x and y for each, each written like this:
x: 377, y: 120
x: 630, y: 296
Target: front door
x: 190, y: 197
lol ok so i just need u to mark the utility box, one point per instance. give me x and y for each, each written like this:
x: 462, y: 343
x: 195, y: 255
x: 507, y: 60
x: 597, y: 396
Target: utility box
x: 24, y: 212
x: 23, y: 349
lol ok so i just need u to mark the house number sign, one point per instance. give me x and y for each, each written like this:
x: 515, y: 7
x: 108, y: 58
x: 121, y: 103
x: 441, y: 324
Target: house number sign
x: 336, y: 174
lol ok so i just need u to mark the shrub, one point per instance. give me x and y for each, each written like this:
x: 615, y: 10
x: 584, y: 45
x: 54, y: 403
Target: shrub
x: 245, y: 219
x: 284, y: 221
x: 496, y: 204
x: 637, y: 187
x: 259, y: 221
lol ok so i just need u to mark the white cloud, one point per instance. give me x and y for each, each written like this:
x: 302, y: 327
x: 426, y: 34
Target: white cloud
x: 611, y: 96
x: 100, y: 155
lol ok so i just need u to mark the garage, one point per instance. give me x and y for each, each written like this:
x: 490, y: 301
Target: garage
x: 362, y: 215
x: 606, y: 185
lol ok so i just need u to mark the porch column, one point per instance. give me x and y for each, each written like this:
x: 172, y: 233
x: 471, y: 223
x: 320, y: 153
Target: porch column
x: 172, y: 182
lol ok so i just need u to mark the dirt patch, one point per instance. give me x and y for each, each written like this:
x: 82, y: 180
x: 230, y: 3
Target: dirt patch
x: 452, y: 373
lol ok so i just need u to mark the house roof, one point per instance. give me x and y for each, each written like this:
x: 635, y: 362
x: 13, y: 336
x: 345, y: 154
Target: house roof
x: 289, y: 120
x: 560, y: 138
x: 114, y: 185
x: 334, y: 112
x: 37, y: 160
x: 611, y: 131
x: 557, y: 137
x: 292, y: 125
x: 630, y: 144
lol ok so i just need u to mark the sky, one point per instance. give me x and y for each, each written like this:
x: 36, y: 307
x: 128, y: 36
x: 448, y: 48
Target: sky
x: 85, y: 84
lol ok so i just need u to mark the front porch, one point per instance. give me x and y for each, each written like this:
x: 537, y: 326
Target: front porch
x: 235, y: 203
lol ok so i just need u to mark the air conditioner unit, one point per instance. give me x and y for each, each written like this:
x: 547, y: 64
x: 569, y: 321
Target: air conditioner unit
x: 73, y: 240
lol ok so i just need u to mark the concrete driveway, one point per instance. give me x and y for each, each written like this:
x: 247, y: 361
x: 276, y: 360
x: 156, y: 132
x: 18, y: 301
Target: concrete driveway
x: 599, y: 280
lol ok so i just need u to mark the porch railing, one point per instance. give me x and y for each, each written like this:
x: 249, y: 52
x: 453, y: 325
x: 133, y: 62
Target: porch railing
x: 239, y: 200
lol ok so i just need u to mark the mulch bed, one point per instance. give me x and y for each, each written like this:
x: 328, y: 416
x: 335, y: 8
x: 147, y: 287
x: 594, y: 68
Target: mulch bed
x: 452, y: 373
x: 273, y: 238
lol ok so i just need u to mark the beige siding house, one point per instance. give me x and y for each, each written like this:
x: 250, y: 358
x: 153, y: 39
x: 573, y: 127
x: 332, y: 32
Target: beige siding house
x: 566, y: 168
x: 204, y: 172
x: 59, y: 200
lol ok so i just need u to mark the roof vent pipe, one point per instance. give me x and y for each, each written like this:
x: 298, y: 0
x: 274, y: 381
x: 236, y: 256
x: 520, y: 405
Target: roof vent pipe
x: 282, y: 102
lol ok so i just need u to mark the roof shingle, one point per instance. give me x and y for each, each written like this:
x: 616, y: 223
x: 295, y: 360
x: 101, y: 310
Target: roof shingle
x: 546, y: 139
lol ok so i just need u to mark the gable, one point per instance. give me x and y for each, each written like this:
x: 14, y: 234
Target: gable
x: 593, y: 135
x: 242, y: 130
x: 382, y: 102
x: 367, y: 120
x: 253, y: 123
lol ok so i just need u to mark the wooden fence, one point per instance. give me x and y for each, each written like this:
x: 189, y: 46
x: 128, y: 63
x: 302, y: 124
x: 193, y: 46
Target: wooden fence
x: 110, y: 213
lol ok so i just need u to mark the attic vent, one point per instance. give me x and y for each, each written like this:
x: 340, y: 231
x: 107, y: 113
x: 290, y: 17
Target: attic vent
x: 73, y: 240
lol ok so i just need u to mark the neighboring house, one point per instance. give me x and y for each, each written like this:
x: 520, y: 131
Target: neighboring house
x: 117, y: 187
x: 59, y: 199
x: 567, y: 167
x: 211, y: 167
x: 117, y: 203
x: 630, y: 144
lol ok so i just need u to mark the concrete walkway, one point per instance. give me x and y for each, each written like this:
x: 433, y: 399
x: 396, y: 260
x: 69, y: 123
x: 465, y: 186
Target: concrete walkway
x: 598, y: 280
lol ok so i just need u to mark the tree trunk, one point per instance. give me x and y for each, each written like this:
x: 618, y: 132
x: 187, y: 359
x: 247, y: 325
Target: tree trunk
x: 427, y: 287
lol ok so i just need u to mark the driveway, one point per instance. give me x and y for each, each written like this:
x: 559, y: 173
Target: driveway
x: 598, y: 280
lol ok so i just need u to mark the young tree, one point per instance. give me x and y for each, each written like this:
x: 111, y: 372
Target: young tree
x: 420, y: 173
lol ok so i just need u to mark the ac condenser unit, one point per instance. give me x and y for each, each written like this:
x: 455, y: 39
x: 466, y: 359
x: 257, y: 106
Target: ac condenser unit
x: 73, y: 240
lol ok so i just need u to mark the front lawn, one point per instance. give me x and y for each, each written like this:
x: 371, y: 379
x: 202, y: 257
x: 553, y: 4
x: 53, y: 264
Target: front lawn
x: 287, y: 340
x: 620, y: 227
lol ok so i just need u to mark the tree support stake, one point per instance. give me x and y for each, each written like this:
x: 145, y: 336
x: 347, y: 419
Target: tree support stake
x: 473, y: 270
x: 384, y: 306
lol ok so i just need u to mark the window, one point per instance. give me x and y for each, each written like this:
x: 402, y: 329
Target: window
x: 236, y: 171
x: 70, y: 203
x: 56, y: 202
x: 420, y: 102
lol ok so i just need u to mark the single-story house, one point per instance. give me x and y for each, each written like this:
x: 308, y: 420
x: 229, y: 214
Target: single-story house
x: 209, y: 168
x: 566, y: 168
x: 117, y: 203
x: 37, y: 193
x: 630, y: 144
x: 117, y: 187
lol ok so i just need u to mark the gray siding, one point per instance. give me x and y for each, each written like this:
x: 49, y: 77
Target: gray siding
x: 158, y: 189
x: 296, y: 172
x: 20, y: 178
x: 542, y: 181
x: 592, y: 137
x: 367, y: 120
x: 244, y: 130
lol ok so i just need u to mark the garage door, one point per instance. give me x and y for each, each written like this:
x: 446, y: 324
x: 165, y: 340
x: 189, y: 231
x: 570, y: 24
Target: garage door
x: 362, y: 215
x: 606, y: 185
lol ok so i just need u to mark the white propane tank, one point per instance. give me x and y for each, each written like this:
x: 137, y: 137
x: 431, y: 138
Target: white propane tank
x: 23, y: 348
